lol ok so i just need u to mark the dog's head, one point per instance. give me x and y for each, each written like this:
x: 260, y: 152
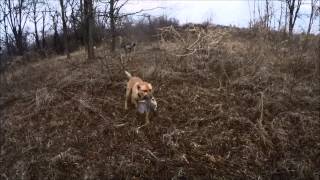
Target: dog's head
x: 144, y: 90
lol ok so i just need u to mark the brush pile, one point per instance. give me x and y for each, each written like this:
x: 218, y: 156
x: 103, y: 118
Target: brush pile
x: 234, y: 106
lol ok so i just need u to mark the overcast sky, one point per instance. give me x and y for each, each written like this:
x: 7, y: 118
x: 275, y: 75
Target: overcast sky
x: 224, y: 12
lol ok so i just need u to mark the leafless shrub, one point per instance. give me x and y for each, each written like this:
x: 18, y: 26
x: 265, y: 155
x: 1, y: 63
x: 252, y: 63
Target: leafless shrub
x: 42, y: 97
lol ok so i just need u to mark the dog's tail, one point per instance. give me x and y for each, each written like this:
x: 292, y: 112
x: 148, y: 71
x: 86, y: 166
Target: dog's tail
x: 128, y: 74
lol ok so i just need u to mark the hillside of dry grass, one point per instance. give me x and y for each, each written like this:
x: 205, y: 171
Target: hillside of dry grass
x: 233, y: 104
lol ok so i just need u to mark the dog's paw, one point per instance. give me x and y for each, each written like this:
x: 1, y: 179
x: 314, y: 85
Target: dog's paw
x: 155, y: 113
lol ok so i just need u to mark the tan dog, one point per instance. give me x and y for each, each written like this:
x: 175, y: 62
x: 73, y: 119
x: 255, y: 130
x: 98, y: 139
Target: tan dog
x: 137, y: 90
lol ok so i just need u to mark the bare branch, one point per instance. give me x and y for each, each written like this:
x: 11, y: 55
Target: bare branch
x: 140, y: 11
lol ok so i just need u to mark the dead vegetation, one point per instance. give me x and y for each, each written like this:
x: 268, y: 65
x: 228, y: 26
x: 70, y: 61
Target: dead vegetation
x: 232, y: 105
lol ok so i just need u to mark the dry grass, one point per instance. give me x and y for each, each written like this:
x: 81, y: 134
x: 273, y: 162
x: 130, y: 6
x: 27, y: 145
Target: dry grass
x: 232, y: 105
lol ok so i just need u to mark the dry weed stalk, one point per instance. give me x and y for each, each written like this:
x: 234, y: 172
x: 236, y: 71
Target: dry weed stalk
x: 66, y: 156
x: 42, y: 97
x: 153, y: 155
x: 261, y: 130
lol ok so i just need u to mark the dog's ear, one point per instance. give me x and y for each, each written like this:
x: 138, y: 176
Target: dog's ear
x: 149, y: 86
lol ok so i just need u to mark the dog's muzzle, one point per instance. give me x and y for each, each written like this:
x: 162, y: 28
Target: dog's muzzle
x: 147, y: 97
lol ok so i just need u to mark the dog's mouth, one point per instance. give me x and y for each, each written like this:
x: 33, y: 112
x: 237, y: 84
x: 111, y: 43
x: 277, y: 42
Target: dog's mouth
x: 144, y: 97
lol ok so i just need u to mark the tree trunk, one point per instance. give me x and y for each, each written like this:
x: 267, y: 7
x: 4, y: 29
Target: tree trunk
x: 293, y: 13
x: 20, y: 32
x: 82, y: 24
x: 313, y: 7
x: 18, y: 40
x: 15, y: 22
x: 43, y: 30
x: 6, y: 37
x: 55, y: 34
x: 88, y: 8
x: 90, y: 31
x: 296, y: 13
x: 267, y: 15
x: 36, y: 35
x: 291, y: 10
x: 286, y: 19
x: 280, y: 19
x: 65, y: 30
x: 317, y: 70
x: 112, y: 26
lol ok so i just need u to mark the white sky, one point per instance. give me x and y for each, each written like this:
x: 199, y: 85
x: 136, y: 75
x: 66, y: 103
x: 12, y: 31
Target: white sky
x: 224, y: 12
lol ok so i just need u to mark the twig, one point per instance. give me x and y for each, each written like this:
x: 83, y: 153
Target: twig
x: 183, y: 55
x: 64, y: 155
x: 140, y: 11
x: 261, y: 112
x: 185, y: 158
x: 153, y: 155
x: 194, y: 43
x: 122, y: 63
x: 120, y: 125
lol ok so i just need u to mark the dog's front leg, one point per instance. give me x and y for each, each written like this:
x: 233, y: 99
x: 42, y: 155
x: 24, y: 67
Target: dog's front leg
x: 147, y: 118
x: 134, y: 101
x: 126, y: 100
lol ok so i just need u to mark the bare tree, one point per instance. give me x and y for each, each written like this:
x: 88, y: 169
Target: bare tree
x: 281, y: 16
x: 65, y: 28
x: 2, y: 17
x: 317, y: 68
x: 75, y: 15
x: 35, y: 19
x: 286, y: 19
x: 44, y: 14
x: 112, y: 17
x: 293, y: 7
x: 18, y: 13
x: 312, y: 14
x: 117, y: 16
x: 89, y: 22
x: 55, y: 22
x: 82, y: 23
x: 5, y: 27
x: 77, y: 19
x: 267, y: 15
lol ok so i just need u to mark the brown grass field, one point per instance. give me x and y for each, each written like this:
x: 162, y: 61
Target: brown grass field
x: 233, y: 104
